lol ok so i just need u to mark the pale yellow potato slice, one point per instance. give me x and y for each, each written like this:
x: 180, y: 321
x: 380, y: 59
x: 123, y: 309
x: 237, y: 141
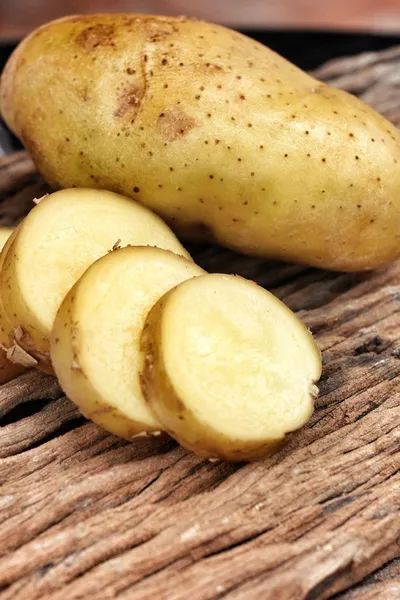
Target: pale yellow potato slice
x: 95, y: 344
x: 5, y: 233
x: 8, y: 369
x: 228, y: 369
x: 64, y: 234
x: 4, y: 321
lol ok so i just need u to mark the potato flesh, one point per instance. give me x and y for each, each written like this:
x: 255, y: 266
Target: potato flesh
x: 5, y: 326
x: 229, y: 369
x: 5, y: 233
x: 57, y: 241
x: 95, y: 345
x: 8, y: 369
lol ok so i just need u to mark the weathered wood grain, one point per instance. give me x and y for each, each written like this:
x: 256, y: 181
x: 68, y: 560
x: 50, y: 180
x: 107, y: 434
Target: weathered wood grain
x: 382, y: 585
x: 86, y: 515
x: 25, y: 388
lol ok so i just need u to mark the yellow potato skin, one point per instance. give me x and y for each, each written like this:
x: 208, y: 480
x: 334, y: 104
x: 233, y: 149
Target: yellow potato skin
x: 3, y: 252
x: 13, y: 304
x: 4, y: 323
x: 5, y: 233
x: 219, y: 135
x: 8, y: 369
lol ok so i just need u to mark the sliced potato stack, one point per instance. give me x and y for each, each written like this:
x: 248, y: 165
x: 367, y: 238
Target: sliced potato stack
x: 62, y: 236
x: 95, y: 344
x: 142, y: 339
x: 228, y: 370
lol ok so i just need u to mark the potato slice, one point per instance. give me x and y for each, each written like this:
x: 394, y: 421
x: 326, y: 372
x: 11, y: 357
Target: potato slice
x: 95, y: 344
x: 64, y: 234
x: 5, y: 233
x: 8, y: 369
x: 4, y: 322
x: 228, y: 370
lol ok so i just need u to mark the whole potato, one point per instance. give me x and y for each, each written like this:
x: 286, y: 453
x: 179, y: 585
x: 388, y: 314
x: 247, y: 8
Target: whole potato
x: 218, y: 134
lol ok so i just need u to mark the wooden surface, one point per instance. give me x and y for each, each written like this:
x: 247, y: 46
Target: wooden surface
x: 18, y: 17
x: 86, y: 515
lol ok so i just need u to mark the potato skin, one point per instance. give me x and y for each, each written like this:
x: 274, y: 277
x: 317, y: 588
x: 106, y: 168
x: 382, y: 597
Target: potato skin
x: 8, y: 369
x: 216, y: 133
x: 199, y: 436
x: 5, y: 233
x: 13, y: 303
x: 4, y: 323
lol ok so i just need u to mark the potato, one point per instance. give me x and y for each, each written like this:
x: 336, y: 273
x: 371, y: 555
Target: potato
x: 5, y: 244
x: 4, y: 322
x: 228, y: 369
x: 64, y: 234
x: 95, y: 344
x: 8, y: 369
x: 5, y: 233
x: 219, y: 135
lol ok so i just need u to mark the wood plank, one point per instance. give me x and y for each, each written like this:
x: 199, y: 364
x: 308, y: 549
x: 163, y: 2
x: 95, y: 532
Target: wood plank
x: 382, y: 585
